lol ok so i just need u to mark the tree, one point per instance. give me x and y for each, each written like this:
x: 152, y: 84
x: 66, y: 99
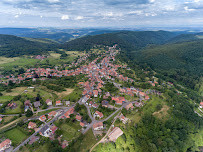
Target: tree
x: 28, y: 113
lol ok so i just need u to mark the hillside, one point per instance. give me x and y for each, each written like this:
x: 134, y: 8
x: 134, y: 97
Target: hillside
x: 187, y: 55
x: 185, y: 38
x: 128, y: 40
x: 12, y: 46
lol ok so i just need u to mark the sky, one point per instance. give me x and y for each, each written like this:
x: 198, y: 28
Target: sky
x: 100, y: 13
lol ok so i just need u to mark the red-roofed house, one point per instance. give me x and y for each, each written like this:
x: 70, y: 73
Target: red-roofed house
x: 98, y: 126
x: 52, y: 114
x: 78, y: 117
x: 82, y: 124
x: 42, y: 118
x: 201, y: 104
x: 58, y: 103
x: 95, y: 93
x: 98, y: 114
x: 5, y: 144
x: 32, y: 125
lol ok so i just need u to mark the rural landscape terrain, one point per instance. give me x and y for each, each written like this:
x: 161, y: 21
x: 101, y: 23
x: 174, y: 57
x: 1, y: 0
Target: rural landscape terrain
x: 100, y: 90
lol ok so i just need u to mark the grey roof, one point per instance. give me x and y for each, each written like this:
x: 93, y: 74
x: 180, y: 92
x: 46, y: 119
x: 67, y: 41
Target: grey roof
x: 37, y: 104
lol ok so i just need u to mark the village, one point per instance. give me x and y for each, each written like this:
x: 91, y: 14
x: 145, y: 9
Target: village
x: 99, y: 75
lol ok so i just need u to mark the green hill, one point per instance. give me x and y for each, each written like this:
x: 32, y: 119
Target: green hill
x: 12, y: 46
x: 128, y: 40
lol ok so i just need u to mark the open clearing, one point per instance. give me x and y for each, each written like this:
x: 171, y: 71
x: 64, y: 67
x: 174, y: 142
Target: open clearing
x: 161, y: 114
x: 64, y: 93
x: 7, y: 60
x: 16, y: 135
x: 15, y: 92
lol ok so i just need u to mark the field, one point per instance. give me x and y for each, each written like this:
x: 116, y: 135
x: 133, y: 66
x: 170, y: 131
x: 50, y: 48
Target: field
x: 4, y: 60
x: 64, y: 93
x: 88, y: 140
x: 163, y: 113
x: 15, y: 92
x: 5, y: 98
x: 15, y: 135
x: 74, y: 96
x: 47, y: 111
x: 70, y: 130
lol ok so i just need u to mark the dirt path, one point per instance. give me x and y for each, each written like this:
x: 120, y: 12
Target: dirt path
x: 10, y: 123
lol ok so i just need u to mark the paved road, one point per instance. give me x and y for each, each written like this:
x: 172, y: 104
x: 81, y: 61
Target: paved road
x: 48, y: 123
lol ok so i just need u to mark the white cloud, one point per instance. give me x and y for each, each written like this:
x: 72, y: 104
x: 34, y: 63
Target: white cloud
x: 79, y: 18
x: 188, y: 9
x: 151, y: 1
x: 196, y: 1
x: 16, y: 16
x: 65, y: 17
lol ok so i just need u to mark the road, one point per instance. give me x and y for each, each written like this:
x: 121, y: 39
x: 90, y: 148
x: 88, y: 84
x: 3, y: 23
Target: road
x: 48, y: 123
x: 103, y: 139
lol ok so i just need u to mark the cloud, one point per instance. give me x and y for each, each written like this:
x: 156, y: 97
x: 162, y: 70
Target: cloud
x: 16, y: 16
x: 64, y: 17
x: 79, y: 18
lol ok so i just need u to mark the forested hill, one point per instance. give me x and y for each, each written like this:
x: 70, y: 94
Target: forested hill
x: 12, y: 46
x: 184, y: 55
x: 129, y: 40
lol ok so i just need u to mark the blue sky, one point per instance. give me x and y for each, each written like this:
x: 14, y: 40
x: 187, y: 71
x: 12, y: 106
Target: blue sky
x: 100, y: 13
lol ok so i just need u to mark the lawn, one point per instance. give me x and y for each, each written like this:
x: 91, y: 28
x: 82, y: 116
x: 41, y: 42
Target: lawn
x: 15, y: 91
x: 20, y: 62
x: 88, y: 140
x: 4, y: 60
x: 47, y: 111
x: 74, y: 96
x: 70, y: 130
x: 5, y: 98
x: 64, y: 93
x: 16, y: 136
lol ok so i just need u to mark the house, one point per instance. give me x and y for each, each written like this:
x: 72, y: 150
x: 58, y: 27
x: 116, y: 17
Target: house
x: 32, y: 125
x: 49, y: 102
x: 45, y: 131
x: 98, y: 126
x: 114, y: 134
x: 201, y: 104
x: 147, y: 97
x: 95, y: 105
x: 5, y: 144
x: 69, y: 112
x: 85, y: 98
x: 52, y: 114
x: 78, y: 117
x: 82, y: 124
x: 105, y: 103
x: 64, y: 144
x: 98, y: 114
x: 138, y: 104
x: 53, y: 129
x: 95, y: 93
x: 118, y: 100
x: 58, y: 103
x: 37, y: 104
x: 42, y: 118
x: 1, y: 119
x: 27, y: 103
x: 129, y: 106
x: 33, y: 139
x: 67, y: 103
x: 123, y: 119
x: 12, y: 105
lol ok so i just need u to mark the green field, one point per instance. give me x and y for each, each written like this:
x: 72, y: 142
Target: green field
x: 88, y: 140
x: 16, y: 136
x: 5, y: 98
x: 74, y: 96
x: 70, y: 130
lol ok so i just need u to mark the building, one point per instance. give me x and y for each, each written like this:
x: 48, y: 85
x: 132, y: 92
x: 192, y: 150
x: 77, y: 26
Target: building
x: 33, y: 139
x: 78, y: 117
x: 201, y: 104
x: 49, y: 102
x: 129, y: 106
x: 37, y: 104
x: 58, y: 103
x: 42, y: 118
x: 5, y: 144
x: 114, y: 134
x: 45, y: 131
x: 105, y: 103
x: 52, y: 114
x: 123, y: 119
x: 82, y: 124
x: 1, y: 119
x: 95, y: 93
x: 98, y: 114
x: 32, y: 125
x: 118, y: 100
x: 98, y: 126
